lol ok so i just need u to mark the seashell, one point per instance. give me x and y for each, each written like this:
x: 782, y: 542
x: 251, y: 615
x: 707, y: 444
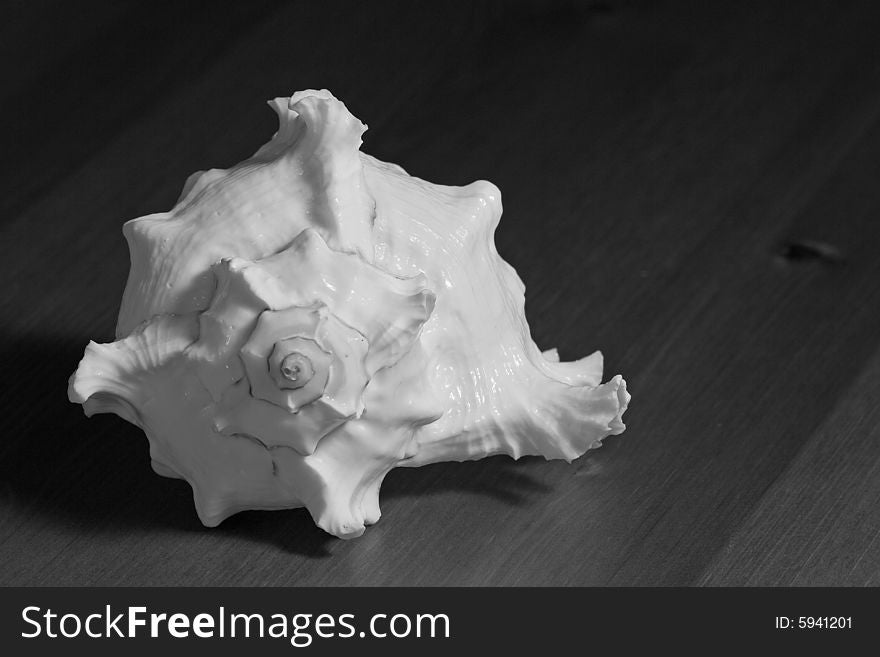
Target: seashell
x: 307, y: 320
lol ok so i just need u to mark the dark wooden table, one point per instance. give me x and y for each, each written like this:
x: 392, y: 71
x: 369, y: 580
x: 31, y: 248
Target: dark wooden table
x: 694, y: 188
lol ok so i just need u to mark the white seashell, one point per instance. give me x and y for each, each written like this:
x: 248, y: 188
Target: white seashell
x: 307, y: 320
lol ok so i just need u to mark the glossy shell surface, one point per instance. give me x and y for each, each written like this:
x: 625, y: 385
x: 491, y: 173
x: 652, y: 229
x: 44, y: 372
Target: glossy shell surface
x: 307, y: 320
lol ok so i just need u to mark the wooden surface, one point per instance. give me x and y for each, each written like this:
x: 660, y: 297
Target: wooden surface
x: 691, y: 187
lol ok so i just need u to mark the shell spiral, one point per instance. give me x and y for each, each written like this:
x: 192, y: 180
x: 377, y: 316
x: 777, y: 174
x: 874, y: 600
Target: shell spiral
x: 307, y: 320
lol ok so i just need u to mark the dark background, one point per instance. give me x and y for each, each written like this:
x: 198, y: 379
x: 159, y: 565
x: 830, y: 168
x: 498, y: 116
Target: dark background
x: 690, y: 186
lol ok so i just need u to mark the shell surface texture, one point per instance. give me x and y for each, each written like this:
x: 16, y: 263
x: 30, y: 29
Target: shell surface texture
x: 307, y: 320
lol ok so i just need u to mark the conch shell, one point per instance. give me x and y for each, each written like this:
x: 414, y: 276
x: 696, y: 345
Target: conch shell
x: 302, y: 323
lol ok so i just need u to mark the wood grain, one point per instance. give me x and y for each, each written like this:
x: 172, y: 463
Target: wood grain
x: 668, y: 170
